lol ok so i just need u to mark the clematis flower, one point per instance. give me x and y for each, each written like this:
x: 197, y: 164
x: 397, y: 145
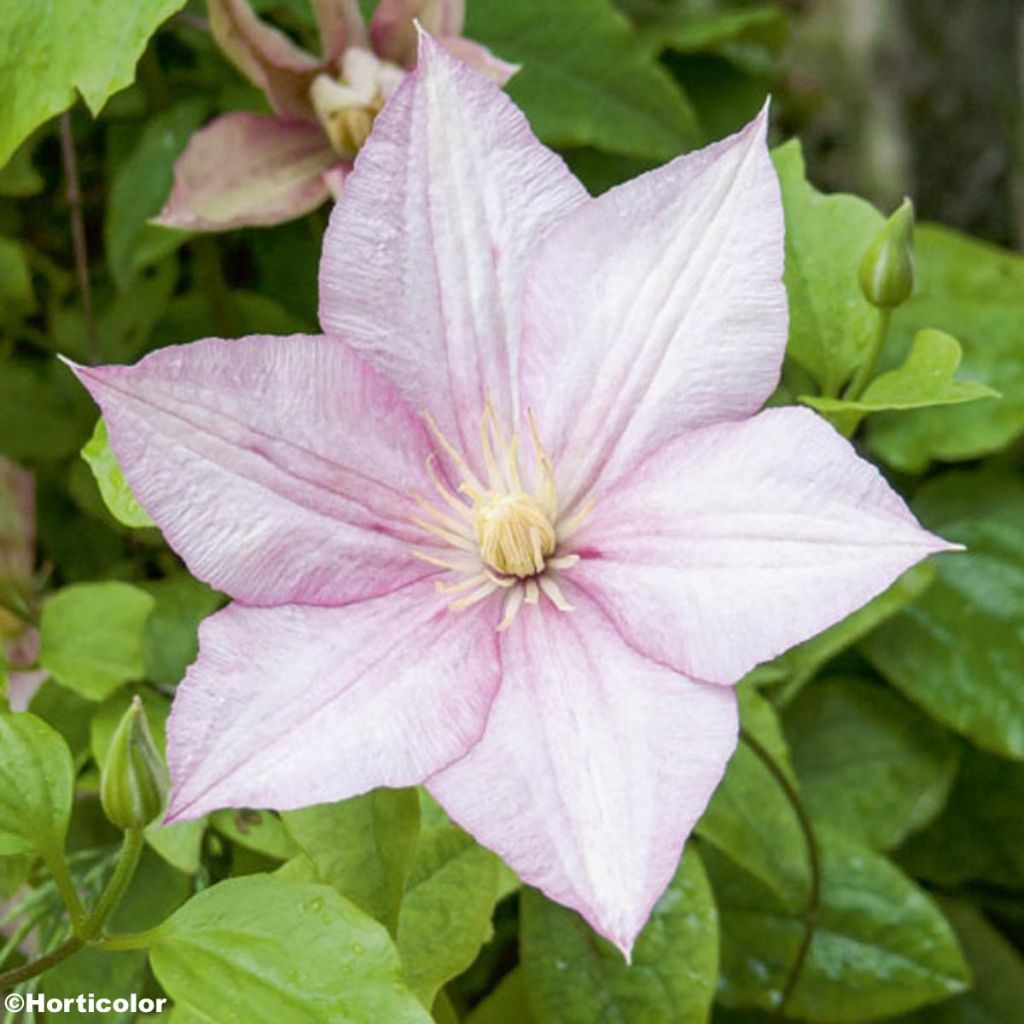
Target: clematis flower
x: 253, y: 169
x: 514, y: 525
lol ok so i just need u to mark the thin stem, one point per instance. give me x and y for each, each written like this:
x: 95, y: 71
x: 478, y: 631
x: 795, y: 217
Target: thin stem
x: 813, y: 863
x: 19, y: 974
x: 127, y: 940
x: 866, y: 370
x: 58, y: 866
x: 90, y: 926
x: 124, y: 871
x: 74, y: 194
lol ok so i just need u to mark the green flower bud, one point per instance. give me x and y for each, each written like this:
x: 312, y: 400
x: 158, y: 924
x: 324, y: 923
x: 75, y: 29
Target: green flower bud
x: 134, y: 783
x: 887, y: 270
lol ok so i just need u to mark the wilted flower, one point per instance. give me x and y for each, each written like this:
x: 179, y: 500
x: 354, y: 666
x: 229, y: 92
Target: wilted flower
x: 515, y: 525
x: 19, y: 640
x: 254, y: 169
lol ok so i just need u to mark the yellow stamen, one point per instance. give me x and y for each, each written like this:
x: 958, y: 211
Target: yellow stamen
x: 507, y: 535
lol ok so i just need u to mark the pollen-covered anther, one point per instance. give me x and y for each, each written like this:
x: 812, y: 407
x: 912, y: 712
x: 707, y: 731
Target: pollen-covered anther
x: 513, y: 533
x: 506, y: 534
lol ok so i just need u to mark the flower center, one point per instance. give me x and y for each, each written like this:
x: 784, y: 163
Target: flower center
x: 502, y: 534
x: 513, y: 533
x: 347, y: 105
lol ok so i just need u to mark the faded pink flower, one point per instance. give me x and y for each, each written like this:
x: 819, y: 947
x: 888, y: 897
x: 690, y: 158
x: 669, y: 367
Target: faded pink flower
x: 253, y: 169
x: 19, y: 642
x: 514, y: 526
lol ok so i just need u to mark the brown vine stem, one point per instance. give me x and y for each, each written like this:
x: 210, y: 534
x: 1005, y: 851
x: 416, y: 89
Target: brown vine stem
x: 813, y: 863
x: 74, y: 196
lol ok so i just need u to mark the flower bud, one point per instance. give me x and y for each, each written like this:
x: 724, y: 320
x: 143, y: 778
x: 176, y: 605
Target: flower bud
x: 887, y: 269
x: 134, y: 782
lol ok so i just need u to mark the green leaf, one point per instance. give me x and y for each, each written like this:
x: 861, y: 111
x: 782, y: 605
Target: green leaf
x: 43, y: 411
x: 925, y: 378
x: 868, y: 763
x: 48, y: 51
x: 36, y: 786
x: 976, y: 292
x: 980, y: 835
x: 113, y: 487
x: 139, y: 187
x: 16, y: 295
x: 750, y: 817
x: 91, y: 636
x: 286, y: 951
x: 997, y: 990
x: 171, y: 642
x: 260, y: 831
x: 19, y: 177
x: 585, y: 79
x: 446, y: 914
x: 880, y: 946
x: 956, y: 651
x: 179, y: 844
x: 363, y: 847
x: 826, y: 236
x: 574, y: 977
x: 506, y: 1003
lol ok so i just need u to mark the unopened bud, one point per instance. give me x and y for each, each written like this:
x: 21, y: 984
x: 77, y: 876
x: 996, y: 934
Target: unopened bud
x: 134, y: 782
x: 887, y: 269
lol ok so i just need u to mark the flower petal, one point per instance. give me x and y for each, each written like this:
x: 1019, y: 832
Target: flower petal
x: 735, y: 542
x: 426, y: 251
x: 479, y: 58
x: 248, y: 169
x: 266, y: 56
x: 280, y: 469
x: 393, y: 29
x: 291, y: 706
x: 341, y: 26
x: 594, y: 767
x: 657, y: 308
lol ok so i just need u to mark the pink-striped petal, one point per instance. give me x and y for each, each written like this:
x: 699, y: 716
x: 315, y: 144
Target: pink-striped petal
x: 594, y: 767
x: 656, y: 309
x: 427, y: 249
x: 266, y: 56
x: 479, y: 58
x: 248, y: 169
x: 291, y: 706
x: 393, y: 28
x: 280, y: 469
x: 335, y: 177
x: 735, y: 542
x: 341, y: 26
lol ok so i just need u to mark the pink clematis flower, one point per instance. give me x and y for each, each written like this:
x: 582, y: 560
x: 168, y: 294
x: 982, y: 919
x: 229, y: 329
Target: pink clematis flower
x: 253, y: 169
x: 515, y: 524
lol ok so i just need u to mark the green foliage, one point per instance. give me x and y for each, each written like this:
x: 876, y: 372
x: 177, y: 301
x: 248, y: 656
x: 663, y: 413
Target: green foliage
x: 92, y: 636
x: 956, y: 651
x: 224, y: 948
x: 980, y: 835
x: 363, y: 847
x: 115, y: 491
x: 36, y: 783
x: 826, y: 236
x: 868, y: 763
x: 925, y: 378
x: 976, y: 292
x: 48, y: 52
x: 880, y: 945
x: 585, y: 81
x: 749, y: 817
x: 138, y: 188
x: 574, y: 978
x: 446, y: 912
